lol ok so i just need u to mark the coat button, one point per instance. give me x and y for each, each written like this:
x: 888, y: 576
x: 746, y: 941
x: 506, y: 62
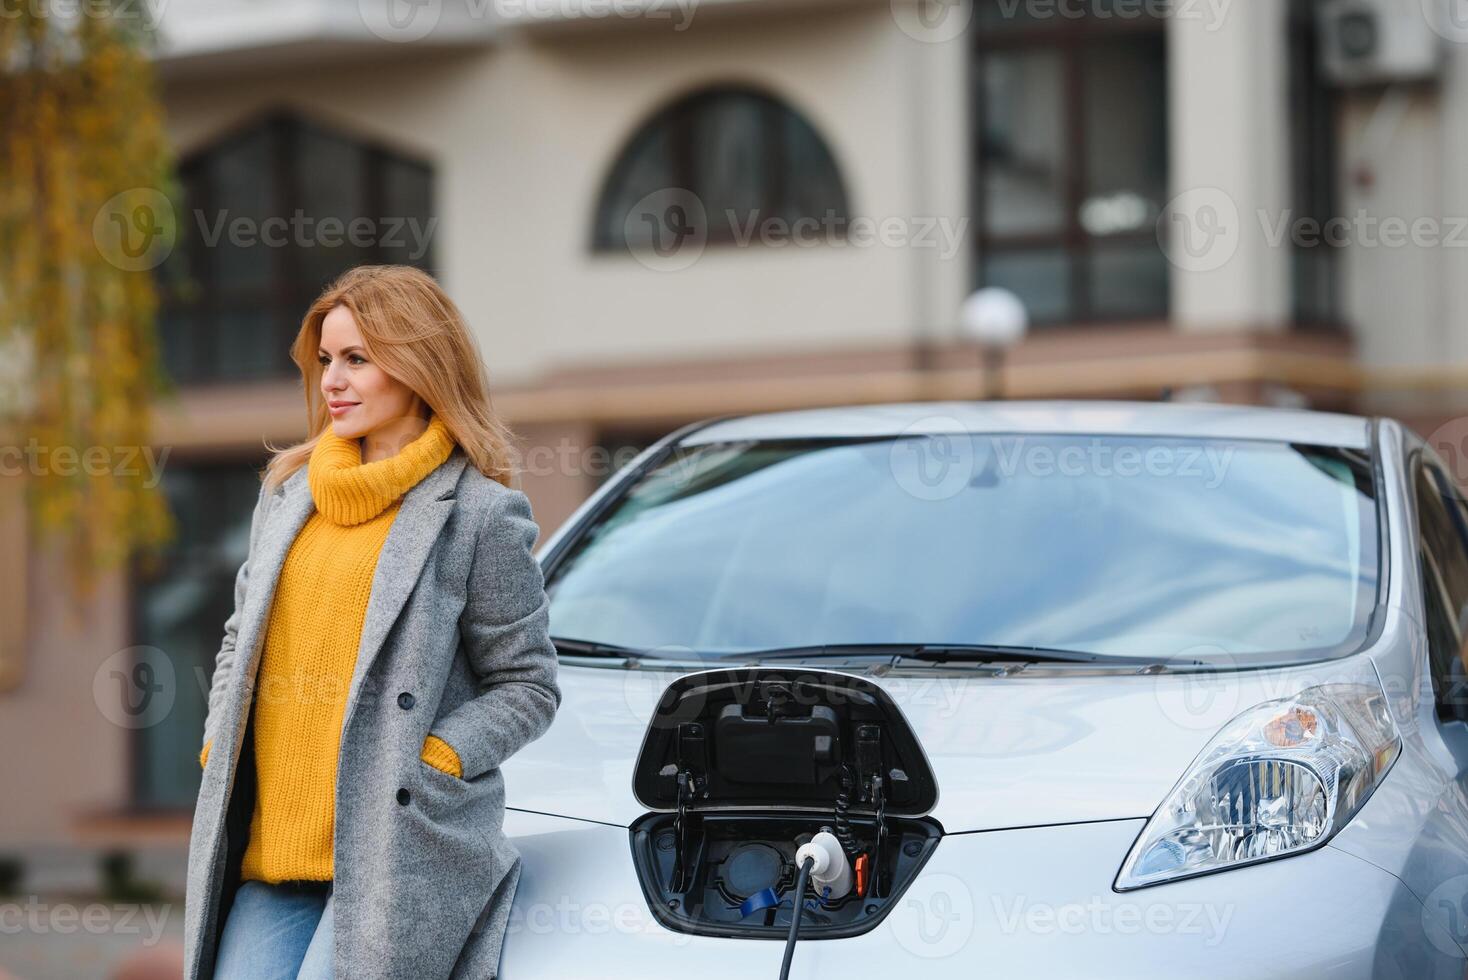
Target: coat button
x: 405, y: 700
x: 403, y: 796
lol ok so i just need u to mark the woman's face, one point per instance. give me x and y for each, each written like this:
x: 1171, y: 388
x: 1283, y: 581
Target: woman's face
x: 361, y: 397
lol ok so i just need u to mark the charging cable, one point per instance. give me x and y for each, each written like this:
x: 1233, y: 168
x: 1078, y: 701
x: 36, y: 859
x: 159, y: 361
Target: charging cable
x: 806, y: 863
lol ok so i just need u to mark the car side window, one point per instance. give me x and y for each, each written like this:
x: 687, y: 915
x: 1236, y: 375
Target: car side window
x: 1443, y: 549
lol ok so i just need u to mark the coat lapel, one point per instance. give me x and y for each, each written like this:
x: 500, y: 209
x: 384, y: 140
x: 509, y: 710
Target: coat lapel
x: 421, y: 516
x: 287, y: 515
x: 424, y: 510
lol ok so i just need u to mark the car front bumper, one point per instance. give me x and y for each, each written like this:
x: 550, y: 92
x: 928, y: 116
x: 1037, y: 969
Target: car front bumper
x: 1033, y: 902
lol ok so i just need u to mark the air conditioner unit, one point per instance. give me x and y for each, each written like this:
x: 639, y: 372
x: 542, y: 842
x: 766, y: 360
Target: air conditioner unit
x: 1365, y: 42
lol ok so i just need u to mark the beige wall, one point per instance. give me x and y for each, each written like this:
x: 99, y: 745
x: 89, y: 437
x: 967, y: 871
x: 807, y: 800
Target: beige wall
x: 1228, y: 118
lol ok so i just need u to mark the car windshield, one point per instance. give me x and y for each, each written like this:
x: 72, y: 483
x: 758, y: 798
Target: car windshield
x: 1207, y: 550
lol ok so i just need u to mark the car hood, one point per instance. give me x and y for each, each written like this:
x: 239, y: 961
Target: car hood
x: 1007, y: 751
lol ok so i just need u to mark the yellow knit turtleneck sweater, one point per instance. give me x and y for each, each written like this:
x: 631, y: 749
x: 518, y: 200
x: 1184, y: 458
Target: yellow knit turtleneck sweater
x: 310, y: 651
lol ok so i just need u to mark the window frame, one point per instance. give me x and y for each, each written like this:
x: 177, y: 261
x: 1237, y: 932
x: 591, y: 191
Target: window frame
x: 139, y: 778
x: 197, y: 293
x: 1314, y: 104
x: 679, y: 115
x: 1069, y: 39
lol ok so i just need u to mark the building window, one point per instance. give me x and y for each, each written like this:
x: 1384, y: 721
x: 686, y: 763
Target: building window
x: 1071, y: 160
x: 273, y: 213
x: 179, y: 608
x: 749, y: 160
x: 1313, y: 157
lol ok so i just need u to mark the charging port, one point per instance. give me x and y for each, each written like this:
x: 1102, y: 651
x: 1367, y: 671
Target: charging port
x: 743, y: 767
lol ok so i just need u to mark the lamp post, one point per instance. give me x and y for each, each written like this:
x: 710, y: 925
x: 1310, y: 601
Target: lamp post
x: 995, y: 319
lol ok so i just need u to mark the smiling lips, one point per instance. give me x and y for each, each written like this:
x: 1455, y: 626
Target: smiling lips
x: 337, y: 407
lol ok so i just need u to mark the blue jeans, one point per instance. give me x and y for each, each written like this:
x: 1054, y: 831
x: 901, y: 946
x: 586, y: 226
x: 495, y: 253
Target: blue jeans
x: 277, y: 932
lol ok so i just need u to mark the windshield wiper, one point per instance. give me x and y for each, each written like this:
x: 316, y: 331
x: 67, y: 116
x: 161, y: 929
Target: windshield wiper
x: 941, y: 653
x: 588, y: 648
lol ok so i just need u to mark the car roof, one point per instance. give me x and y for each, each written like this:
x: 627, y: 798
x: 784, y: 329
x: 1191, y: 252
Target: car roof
x: 1162, y: 419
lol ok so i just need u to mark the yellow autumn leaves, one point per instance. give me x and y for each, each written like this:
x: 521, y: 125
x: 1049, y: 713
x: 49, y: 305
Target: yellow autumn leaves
x: 81, y: 134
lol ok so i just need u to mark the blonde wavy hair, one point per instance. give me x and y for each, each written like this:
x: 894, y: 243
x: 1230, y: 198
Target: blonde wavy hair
x: 417, y: 335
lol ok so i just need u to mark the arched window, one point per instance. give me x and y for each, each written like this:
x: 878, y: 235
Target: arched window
x: 273, y: 212
x: 751, y: 161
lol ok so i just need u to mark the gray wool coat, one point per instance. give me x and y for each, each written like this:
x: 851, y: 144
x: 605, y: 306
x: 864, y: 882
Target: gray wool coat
x: 455, y: 643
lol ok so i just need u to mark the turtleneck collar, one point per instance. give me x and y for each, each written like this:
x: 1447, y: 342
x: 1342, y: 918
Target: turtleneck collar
x: 348, y: 491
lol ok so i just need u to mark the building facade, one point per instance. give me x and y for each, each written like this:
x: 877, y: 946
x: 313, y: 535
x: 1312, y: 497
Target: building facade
x: 653, y: 213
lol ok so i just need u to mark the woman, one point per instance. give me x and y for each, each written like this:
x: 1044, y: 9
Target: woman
x: 387, y: 651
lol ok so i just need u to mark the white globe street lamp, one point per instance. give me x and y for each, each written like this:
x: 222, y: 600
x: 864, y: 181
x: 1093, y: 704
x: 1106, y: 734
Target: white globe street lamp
x: 996, y: 320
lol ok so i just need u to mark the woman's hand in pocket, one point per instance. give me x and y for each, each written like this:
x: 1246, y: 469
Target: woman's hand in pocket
x: 441, y: 756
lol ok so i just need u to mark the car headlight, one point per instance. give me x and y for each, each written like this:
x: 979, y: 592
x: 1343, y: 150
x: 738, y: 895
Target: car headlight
x: 1277, y: 780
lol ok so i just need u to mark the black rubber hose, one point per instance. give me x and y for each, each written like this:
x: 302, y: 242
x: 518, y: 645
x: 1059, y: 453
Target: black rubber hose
x: 800, y: 881
x: 843, y: 823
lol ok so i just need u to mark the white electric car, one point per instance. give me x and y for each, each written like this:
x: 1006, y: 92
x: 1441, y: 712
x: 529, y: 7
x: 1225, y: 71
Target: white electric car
x: 1079, y: 690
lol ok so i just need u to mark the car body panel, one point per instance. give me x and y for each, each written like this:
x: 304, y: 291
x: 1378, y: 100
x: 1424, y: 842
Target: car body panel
x: 1006, y: 751
x: 1032, y: 902
x: 1416, y: 823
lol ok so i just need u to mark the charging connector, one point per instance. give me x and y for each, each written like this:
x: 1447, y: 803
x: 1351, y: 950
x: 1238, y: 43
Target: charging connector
x: 831, y: 872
